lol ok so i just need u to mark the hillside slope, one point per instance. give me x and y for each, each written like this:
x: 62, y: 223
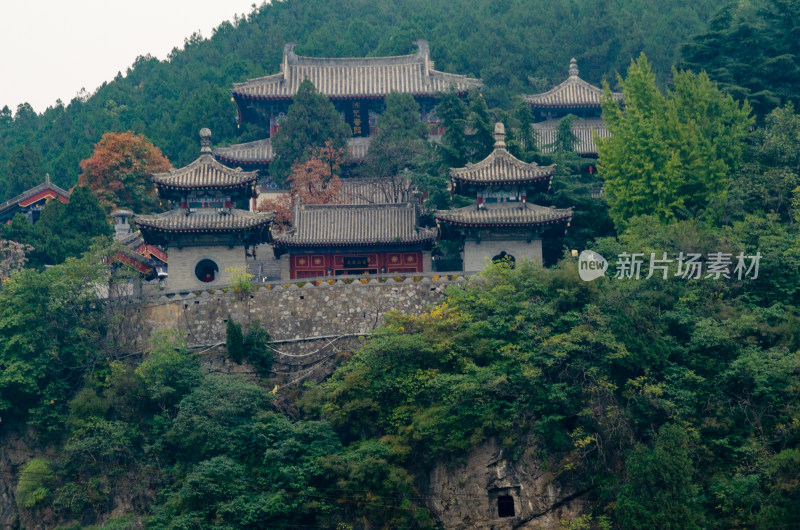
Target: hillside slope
x: 515, y: 46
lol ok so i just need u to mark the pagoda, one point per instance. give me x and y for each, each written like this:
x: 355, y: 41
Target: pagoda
x: 573, y: 96
x: 354, y: 239
x: 205, y: 235
x: 502, y: 224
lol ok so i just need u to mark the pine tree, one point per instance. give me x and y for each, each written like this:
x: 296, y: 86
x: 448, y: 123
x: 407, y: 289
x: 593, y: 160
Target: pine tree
x: 24, y: 171
x: 400, y: 141
x: 312, y: 120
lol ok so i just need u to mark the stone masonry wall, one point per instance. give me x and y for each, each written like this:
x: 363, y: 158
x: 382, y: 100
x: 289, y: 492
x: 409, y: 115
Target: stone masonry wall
x: 309, y: 321
x: 182, y: 262
x: 478, y: 255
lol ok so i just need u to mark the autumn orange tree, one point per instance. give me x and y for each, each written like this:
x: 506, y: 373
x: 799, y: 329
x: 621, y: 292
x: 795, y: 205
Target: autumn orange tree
x: 119, y: 170
x: 315, y: 181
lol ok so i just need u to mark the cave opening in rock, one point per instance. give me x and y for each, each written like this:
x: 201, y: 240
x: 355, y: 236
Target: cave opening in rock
x: 505, y: 506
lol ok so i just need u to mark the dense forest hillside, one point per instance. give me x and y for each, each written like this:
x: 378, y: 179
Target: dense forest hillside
x: 515, y: 46
x: 660, y: 391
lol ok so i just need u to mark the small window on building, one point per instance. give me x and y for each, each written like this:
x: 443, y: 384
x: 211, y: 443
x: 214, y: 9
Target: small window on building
x: 505, y: 506
x: 206, y: 271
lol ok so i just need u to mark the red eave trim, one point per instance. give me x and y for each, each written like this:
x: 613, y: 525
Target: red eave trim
x: 44, y: 194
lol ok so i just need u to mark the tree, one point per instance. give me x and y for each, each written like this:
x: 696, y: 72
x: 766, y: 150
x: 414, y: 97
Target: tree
x: 750, y: 49
x: 312, y: 122
x: 314, y: 181
x: 659, y: 491
x: 50, y: 327
x: 63, y: 230
x: 12, y: 258
x: 24, y: 171
x: 119, y: 172
x: 770, y: 175
x: 401, y: 138
x: 670, y: 155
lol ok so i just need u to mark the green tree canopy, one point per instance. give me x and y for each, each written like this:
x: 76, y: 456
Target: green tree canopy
x: 312, y: 121
x: 24, y: 171
x: 750, y: 49
x: 63, y: 230
x: 671, y: 155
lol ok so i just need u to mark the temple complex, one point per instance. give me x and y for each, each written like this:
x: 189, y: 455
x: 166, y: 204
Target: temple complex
x: 204, y: 233
x: 573, y: 96
x: 30, y: 203
x: 335, y: 240
x: 502, y: 224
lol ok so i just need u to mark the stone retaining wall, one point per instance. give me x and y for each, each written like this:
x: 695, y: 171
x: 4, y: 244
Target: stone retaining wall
x: 312, y: 319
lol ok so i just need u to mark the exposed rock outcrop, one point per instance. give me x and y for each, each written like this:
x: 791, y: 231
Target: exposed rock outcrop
x: 491, y: 491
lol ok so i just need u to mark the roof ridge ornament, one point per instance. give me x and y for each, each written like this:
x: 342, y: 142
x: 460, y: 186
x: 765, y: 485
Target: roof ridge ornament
x: 499, y: 135
x: 424, y: 51
x: 573, y: 67
x: 205, y: 141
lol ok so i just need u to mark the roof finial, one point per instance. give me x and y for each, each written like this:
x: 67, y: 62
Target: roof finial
x: 573, y: 68
x: 205, y: 140
x: 47, y: 178
x: 499, y: 135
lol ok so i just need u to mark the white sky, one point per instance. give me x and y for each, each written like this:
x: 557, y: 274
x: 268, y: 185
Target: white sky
x: 53, y: 48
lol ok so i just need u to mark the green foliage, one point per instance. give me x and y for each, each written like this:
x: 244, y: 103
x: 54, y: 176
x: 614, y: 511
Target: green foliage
x: 169, y: 372
x: 399, y: 142
x: 670, y: 155
x: 769, y: 177
x: 253, y: 346
x: 659, y: 491
x: 35, y: 483
x: 750, y: 49
x: 241, y: 281
x: 312, y: 121
x: 516, y: 47
x: 63, y: 230
x: 24, y: 171
x: 234, y: 340
x: 50, y: 323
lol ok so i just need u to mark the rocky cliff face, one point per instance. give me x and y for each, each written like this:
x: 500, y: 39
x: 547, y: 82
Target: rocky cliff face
x: 491, y: 491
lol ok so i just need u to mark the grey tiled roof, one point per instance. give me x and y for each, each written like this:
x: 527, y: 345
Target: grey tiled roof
x: 547, y: 134
x: 205, y: 173
x: 349, y: 77
x: 572, y: 93
x: 501, y: 167
x: 205, y: 220
x: 261, y: 152
x: 504, y: 214
x: 27, y: 194
x: 354, y: 225
x: 377, y: 190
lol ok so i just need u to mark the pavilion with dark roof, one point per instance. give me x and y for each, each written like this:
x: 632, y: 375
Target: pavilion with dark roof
x: 338, y: 239
x: 357, y: 86
x: 205, y: 234
x: 573, y: 96
x: 502, y: 224
x: 30, y: 203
